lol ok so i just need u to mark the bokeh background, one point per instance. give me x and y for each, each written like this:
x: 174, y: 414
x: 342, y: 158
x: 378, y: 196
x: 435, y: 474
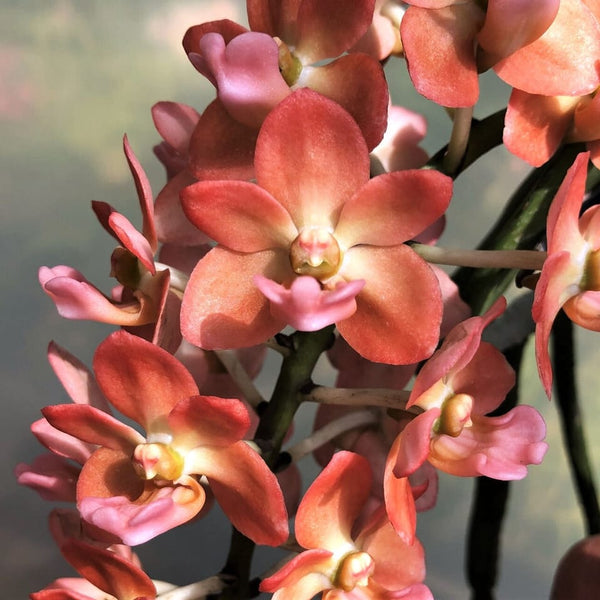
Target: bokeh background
x: 74, y: 77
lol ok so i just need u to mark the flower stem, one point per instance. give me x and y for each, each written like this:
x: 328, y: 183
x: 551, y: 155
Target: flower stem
x: 492, y: 259
x: 459, y: 139
x: 239, y: 375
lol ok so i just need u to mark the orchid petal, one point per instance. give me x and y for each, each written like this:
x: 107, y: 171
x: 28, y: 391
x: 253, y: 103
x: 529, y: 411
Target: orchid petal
x: 357, y: 83
x: 584, y: 309
x: 61, y: 443
x: 78, y: 381
x: 143, y: 381
x: 563, y: 61
x: 301, y: 574
x: 223, y: 308
x: 51, y: 476
x: 175, y: 123
x: 333, y: 502
x: 239, y: 215
x: 333, y: 160
x: 327, y: 28
x: 208, y: 421
x: 279, y: 19
x: 307, y: 307
x: 246, y: 72
x: 221, y: 147
x: 132, y: 240
x: 390, y: 305
x: 440, y: 52
x: 389, y: 209
x: 246, y: 490
x: 93, y: 426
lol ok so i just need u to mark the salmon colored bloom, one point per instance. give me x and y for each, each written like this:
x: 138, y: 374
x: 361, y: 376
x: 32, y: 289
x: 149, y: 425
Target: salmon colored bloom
x: 457, y: 387
x: 137, y: 486
x: 569, y: 278
x: 291, y: 45
x: 314, y: 214
x: 374, y: 563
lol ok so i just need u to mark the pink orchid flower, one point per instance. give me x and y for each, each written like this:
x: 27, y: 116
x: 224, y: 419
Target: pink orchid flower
x: 546, y: 47
x: 254, y: 70
x: 373, y: 563
x: 136, y: 486
x: 106, y: 576
x: 143, y: 296
x: 461, y: 383
x: 314, y: 212
x: 569, y: 276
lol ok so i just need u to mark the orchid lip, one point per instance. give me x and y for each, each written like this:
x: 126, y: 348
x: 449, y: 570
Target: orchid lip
x: 315, y: 252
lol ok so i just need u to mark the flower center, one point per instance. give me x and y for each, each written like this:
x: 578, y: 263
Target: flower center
x: 354, y: 569
x: 157, y: 461
x: 456, y: 414
x: 315, y: 252
x: 591, y: 273
x: 289, y: 65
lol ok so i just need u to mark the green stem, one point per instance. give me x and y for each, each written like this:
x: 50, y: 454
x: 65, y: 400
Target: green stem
x: 572, y: 422
x: 276, y: 419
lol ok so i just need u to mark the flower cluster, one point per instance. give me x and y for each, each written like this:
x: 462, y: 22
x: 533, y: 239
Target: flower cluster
x: 300, y: 215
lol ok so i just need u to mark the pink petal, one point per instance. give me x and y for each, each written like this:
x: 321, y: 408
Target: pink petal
x: 393, y: 208
x: 279, y: 19
x: 357, y: 83
x: 132, y: 239
x: 333, y: 502
x: 93, y: 426
x: 144, y: 192
x: 399, y: 149
x: 309, y: 134
x: 382, y: 38
x: 143, y: 381
x: 578, y: 573
x: 171, y: 223
x: 400, y: 286
x: 497, y: 447
x: 239, y: 215
x: 440, y: 52
x: 563, y: 61
x: 223, y: 308
x: 78, y: 381
x: 175, y: 123
x: 208, y: 421
x: 76, y: 298
x: 536, y: 125
x: 584, y: 309
x: 246, y: 489
x: 111, y: 496
x: 307, y: 307
x: 327, y: 28
x: 512, y: 24
x: 587, y: 116
x: 61, y: 443
x: 246, y: 72
x: 226, y: 28
x: 221, y: 147
x: 51, y: 476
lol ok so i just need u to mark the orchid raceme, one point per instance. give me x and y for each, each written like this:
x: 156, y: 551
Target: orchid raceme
x: 569, y: 278
x: 458, y: 386
x: 254, y: 70
x: 137, y: 487
x: 314, y: 213
x: 373, y: 563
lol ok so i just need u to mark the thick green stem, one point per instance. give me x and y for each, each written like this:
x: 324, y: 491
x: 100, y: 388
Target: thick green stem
x: 296, y: 370
x: 572, y: 422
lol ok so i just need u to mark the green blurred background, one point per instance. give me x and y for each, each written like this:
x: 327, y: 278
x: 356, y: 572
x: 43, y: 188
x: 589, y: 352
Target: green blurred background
x: 74, y: 77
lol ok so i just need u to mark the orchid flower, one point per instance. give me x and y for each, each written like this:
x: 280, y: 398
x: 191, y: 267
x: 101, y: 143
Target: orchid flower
x: 461, y: 383
x: 136, y: 486
x: 373, y: 563
x: 314, y: 212
x: 569, y: 277
x: 143, y: 296
x: 546, y: 47
x: 254, y: 70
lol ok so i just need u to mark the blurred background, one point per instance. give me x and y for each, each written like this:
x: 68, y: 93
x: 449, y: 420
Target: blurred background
x: 74, y: 77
